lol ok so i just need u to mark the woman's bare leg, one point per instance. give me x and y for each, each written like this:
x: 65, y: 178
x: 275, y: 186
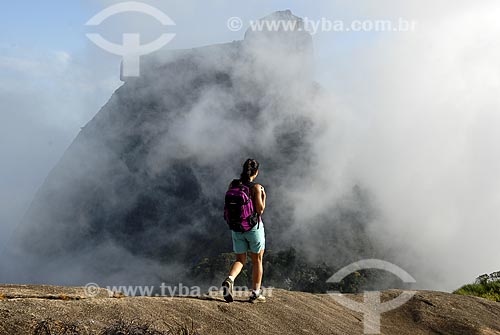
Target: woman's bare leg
x: 257, y: 269
x: 241, y: 259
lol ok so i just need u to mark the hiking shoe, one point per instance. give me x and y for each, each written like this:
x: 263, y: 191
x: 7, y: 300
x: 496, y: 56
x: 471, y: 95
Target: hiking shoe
x: 254, y: 298
x: 227, y: 289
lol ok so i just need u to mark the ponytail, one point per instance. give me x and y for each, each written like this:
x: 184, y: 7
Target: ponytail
x: 250, y: 167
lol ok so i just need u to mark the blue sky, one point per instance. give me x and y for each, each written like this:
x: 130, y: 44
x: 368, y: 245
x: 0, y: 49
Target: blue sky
x: 55, y: 24
x: 59, y: 25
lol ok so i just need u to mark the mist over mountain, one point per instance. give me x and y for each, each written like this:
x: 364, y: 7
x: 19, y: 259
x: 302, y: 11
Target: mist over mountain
x: 392, y: 157
x: 138, y: 195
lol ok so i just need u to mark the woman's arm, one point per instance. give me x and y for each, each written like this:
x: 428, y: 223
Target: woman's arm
x: 259, y: 198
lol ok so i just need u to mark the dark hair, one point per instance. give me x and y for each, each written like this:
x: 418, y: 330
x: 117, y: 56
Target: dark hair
x: 250, y: 167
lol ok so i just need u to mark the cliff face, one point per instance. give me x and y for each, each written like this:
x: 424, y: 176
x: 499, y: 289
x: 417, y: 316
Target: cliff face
x: 68, y: 310
x: 139, y: 193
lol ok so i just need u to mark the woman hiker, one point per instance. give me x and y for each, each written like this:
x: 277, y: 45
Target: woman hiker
x: 247, y: 239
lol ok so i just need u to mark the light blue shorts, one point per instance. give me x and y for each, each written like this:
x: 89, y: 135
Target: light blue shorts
x: 253, y: 240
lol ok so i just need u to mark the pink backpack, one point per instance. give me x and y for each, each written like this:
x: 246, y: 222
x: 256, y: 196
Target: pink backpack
x: 238, y: 208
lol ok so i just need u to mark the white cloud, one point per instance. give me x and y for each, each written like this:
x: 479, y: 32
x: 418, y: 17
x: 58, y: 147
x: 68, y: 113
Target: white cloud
x: 426, y: 144
x: 45, y: 97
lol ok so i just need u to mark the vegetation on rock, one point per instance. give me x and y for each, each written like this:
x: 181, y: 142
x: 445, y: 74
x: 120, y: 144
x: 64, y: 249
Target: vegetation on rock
x: 486, y: 286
